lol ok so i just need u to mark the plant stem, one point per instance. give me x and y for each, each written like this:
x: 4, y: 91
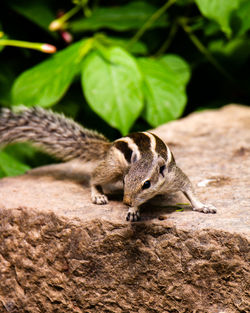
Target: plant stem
x: 151, y: 21
x: 59, y: 22
x: 199, y: 45
x: 69, y: 14
x: 169, y: 40
x: 30, y: 45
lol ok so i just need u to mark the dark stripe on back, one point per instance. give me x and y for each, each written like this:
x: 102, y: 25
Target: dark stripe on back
x: 160, y: 147
x: 124, y: 148
x: 142, y: 141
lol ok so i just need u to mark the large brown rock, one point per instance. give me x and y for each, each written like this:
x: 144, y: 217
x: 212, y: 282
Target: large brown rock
x: 60, y: 253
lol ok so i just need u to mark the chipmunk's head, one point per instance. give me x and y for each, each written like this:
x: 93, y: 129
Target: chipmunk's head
x: 148, y: 160
x: 144, y: 179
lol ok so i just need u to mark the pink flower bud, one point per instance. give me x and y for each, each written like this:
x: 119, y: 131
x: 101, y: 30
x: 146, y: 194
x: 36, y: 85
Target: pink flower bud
x: 55, y: 25
x: 66, y: 36
x: 48, y: 48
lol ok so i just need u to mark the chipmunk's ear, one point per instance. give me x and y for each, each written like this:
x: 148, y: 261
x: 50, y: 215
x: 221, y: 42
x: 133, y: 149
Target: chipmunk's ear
x: 162, y: 170
x: 162, y: 166
x: 134, y: 157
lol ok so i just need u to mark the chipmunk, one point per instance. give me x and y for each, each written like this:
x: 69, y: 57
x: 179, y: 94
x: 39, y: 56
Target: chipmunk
x: 142, y: 161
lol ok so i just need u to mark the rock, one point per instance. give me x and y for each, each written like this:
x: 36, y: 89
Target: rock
x: 61, y: 253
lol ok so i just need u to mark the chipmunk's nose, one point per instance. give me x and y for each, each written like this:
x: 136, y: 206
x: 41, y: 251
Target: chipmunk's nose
x: 127, y: 201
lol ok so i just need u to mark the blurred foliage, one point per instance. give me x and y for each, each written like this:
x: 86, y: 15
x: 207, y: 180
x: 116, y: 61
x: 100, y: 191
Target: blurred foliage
x: 121, y: 65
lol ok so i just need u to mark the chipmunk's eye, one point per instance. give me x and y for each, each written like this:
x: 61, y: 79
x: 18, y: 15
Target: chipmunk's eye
x: 146, y: 184
x: 162, y: 168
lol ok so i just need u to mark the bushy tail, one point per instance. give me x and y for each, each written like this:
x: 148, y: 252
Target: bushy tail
x: 54, y: 133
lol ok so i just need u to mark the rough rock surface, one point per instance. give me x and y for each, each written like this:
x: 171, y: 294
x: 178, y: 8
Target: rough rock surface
x: 60, y: 253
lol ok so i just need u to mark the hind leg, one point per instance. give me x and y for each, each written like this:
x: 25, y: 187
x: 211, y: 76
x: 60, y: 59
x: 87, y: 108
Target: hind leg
x: 196, y: 204
x: 183, y: 183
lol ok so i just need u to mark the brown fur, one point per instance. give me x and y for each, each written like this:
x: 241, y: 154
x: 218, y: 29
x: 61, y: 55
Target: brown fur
x: 137, y: 158
x: 54, y: 133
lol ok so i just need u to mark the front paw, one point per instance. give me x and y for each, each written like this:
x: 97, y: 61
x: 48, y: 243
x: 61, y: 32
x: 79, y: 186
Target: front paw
x: 206, y: 208
x: 133, y: 214
x: 99, y: 199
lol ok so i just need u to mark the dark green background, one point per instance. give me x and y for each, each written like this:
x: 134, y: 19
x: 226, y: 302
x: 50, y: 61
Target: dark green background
x: 219, y: 70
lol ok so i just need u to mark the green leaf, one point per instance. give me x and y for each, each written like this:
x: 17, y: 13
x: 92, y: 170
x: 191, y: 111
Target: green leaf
x: 37, y: 11
x: 163, y: 91
x: 243, y: 13
x: 179, y: 210
x: 112, y: 86
x: 236, y: 51
x: 220, y: 11
x: 44, y: 84
x: 9, y: 166
x: 6, y: 80
x: 22, y: 151
x: 211, y: 28
x: 179, y: 66
x: 119, y: 18
x: 137, y: 48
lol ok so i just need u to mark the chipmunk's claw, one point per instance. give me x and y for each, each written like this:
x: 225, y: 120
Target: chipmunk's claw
x: 206, y: 208
x: 99, y: 199
x: 133, y: 214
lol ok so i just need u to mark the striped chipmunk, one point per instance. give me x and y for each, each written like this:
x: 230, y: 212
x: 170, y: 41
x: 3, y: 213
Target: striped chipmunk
x: 142, y: 161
